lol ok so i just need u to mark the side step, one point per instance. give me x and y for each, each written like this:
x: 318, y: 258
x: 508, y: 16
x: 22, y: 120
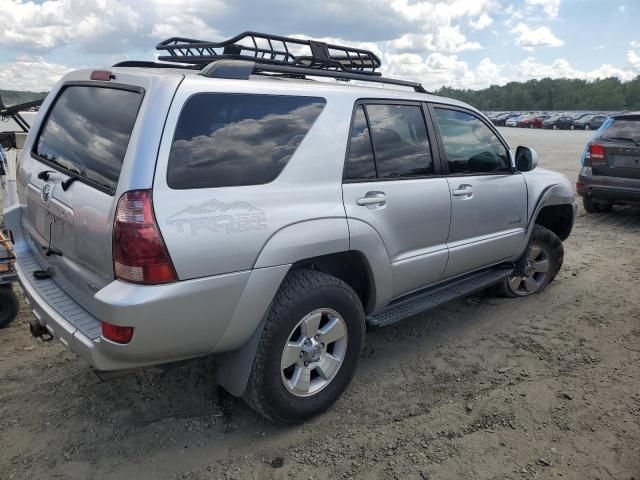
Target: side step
x: 433, y: 297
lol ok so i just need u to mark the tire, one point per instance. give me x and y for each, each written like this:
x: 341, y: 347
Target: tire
x: 272, y: 389
x: 531, y: 125
x: 545, y: 265
x: 8, y: 305
x: 587, y: 127
x: 590, y: 206
x: 555, y: 127
x: 572, y: 127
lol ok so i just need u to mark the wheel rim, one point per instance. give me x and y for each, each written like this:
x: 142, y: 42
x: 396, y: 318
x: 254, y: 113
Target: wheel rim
x: 536, y: 270
x: 314, y: 352
x: 587, y: 127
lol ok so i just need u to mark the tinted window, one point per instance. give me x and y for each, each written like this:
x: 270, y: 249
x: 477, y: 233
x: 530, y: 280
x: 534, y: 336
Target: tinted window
x: 231, y: 139
x: 400, y: 140
x: 360, y: 163
x: 87, y: 132
x: 618, y: 129
x: 470, y: 145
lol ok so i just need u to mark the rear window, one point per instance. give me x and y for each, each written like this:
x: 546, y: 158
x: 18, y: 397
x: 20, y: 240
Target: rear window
x: 87, y: 132
x: 621, y: 129
x: 226, y: 140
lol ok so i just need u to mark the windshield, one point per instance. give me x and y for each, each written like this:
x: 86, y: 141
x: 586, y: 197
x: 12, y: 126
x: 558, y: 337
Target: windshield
x: 87, y: 132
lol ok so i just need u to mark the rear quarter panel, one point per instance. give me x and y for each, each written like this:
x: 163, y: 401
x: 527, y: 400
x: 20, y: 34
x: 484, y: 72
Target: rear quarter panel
x: 210, y: 231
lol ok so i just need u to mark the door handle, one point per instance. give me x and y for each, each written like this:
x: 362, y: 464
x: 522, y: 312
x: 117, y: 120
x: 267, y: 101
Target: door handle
x: 372, y: 198
x: 463, y: 190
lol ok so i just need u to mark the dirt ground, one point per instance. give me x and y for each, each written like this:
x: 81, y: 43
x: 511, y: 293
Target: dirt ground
x: 543, y: 387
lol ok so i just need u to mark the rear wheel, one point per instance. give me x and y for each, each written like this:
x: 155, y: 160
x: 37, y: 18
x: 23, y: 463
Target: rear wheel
x: 8, y: 305
x: 537, y: 268
x: 309, y: 349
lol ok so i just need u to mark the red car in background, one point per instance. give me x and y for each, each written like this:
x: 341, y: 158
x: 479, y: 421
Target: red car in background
x: 534, y: 121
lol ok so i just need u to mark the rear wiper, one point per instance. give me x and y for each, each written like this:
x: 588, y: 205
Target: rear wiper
x: 74, y: 174
x: 624, y: 139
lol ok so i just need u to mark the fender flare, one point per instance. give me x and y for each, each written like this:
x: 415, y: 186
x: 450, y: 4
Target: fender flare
x: 556, y: 194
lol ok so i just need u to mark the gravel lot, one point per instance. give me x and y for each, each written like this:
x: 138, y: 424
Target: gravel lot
x: 542, y: 387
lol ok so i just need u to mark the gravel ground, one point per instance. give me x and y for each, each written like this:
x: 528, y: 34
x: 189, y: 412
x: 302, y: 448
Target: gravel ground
x: 542, y: 387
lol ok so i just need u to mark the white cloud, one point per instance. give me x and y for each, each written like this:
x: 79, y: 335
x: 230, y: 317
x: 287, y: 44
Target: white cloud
x: 635, y: 44
x: 535, y: 37
x: 634, y: 59
x: 482, y: 22
x: 446, y: 39
x: 550, y: 7
x: 622, y: 8
x: 31, y: 74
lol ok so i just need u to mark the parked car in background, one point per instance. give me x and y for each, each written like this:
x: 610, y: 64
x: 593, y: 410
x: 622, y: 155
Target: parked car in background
x: 590, y: 122
x: 533, y: 121
x: 513, y: 121
x: 500, y: 119
x: 558, y: 122
x: 610, y: 172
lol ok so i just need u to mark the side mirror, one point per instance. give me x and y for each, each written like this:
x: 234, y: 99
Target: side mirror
x: 526, y: 159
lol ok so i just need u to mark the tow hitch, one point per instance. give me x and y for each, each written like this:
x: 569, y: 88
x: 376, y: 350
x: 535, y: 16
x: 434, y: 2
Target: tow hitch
x: 39, y: 331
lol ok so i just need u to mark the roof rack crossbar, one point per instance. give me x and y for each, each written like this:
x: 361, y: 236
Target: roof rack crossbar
x: 13, y: 112
x: 242, y: 69
x: 274, y: 49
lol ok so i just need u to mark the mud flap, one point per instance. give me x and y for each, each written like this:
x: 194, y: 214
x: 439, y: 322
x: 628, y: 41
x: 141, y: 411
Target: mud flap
x: 233, y: 368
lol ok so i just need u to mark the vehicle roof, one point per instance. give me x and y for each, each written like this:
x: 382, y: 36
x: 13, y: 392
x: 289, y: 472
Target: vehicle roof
x: 626, y: 115
x: 357, y: 88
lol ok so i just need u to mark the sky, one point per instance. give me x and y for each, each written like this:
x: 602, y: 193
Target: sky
x: 456, y: 43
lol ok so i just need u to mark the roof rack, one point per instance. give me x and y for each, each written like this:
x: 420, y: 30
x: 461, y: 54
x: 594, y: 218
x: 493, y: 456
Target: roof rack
x: 272, y: 49
x: 259, y: 53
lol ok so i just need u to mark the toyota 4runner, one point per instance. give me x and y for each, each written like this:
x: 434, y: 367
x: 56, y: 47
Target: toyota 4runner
x: 227, y: 204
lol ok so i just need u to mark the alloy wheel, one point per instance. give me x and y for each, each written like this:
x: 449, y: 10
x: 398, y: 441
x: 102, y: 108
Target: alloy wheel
x: 534, y: 274
x: 314, y: 352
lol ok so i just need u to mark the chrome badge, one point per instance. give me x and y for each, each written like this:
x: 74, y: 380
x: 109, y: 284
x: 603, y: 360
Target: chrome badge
x: 47, y: 192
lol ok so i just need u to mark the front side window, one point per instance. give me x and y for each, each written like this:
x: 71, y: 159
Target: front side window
x: 237, y: 139
x: 470, y: 145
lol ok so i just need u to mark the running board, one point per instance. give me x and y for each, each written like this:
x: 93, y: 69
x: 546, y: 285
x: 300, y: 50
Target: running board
x: 436, y: 296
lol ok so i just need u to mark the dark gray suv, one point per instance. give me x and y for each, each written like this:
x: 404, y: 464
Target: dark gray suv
x: 610, y: 173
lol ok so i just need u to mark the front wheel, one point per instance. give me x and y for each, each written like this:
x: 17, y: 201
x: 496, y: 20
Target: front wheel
x: 309, y: 349
x: 537, y: 268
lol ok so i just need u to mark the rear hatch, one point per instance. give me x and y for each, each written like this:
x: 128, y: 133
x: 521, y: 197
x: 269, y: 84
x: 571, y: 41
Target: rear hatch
x: 620, y: 141
x: 83, y: 153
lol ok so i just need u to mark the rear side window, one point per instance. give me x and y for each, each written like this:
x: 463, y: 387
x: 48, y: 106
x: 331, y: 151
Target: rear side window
x: 87, y: 132
x: 226, y: 140
x: 389, y: 141
x: 470, y: 145
x: 360, y: 162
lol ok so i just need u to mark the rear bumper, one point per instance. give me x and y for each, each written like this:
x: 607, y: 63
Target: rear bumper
x: 610, y: 189
x: 171, y: 322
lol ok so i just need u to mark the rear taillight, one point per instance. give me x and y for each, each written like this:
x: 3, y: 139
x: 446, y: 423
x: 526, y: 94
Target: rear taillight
x: 139, y: 252
x: 596, y: 153
x: 116, y: 333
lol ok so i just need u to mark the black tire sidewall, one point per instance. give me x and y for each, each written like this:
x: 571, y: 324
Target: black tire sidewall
x: 9, y: 302
x: 282, y: 404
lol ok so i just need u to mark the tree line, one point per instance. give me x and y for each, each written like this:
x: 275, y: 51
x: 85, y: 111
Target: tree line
x: 553, y: 94
x: 13, y: 97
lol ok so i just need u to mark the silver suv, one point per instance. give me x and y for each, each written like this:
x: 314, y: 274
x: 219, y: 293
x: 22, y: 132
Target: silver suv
x: 240, y: 209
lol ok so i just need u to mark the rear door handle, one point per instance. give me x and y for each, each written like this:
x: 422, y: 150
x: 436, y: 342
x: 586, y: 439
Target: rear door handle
x: 372, y: 199
x: 464, y: 190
